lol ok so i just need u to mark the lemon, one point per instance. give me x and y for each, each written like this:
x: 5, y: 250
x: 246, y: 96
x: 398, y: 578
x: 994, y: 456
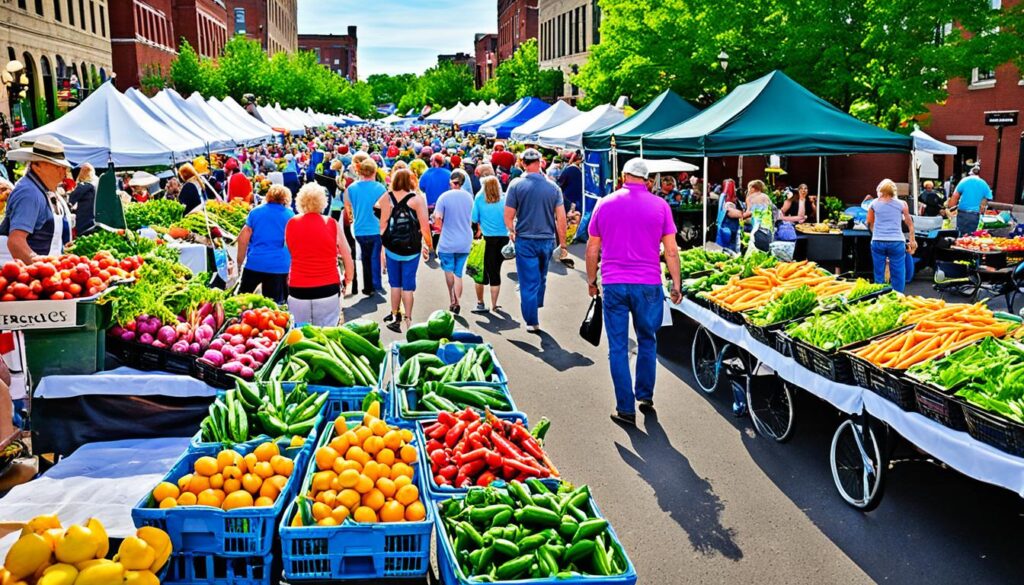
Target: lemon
x: 76, y: 545
x: 92, y: 563
x: 99, y: 536
x: 160, y: 542
x: 140, y: 578
x: 103, y: 574
x: 59, y: 574
x: 27, y: 555
x: 135, y: 554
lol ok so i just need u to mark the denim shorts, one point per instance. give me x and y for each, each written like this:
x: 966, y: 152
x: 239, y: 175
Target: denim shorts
x: 454, y: 263
x: 402, y: 273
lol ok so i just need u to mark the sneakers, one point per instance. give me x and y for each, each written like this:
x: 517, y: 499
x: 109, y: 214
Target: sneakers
x: 624, y: 418
x: 480, y: 308
x: 533, y: 329
x: 646, y: 405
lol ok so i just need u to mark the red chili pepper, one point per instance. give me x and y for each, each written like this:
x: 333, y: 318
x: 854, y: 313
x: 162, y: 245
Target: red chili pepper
x: 441, y: 480
x: 485, y: 430
x: 438, y: 458
x: 468, y: 415
x: 494, y: 461
x: 434, y: 445
x: 427, y: 429
x: 439, y: 432
x: 461, y: 481
x: 485, y: 479
x: 531, y: 446
x: 473, y: 426
x: 474, y: 444
x: 474, y: 455
x: 526, y: 468
x: 446, y: 418
x: 454, y: 434
x: 473, y: 468
x: 448, y: 472
x: 507, y: 448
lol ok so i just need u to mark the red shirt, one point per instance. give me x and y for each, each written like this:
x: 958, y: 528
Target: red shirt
x: 312, y: 240
x: 503, y: 159
x: 239, y: 187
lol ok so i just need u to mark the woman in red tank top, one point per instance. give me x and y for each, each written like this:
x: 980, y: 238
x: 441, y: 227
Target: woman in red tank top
x: 315, y: 242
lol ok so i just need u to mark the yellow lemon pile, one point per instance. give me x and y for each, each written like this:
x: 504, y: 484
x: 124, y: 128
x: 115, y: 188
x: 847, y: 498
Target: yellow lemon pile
x: 47, y: 554
x: 365, y: 473
x: 230, y: 481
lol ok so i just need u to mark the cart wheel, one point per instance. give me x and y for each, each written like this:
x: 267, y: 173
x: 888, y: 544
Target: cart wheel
x: 858, y: 467
x: 704, y: 359
x: 771, y: 407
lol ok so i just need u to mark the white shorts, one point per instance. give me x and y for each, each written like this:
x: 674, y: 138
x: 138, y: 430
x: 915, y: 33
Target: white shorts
x: 324, y: 312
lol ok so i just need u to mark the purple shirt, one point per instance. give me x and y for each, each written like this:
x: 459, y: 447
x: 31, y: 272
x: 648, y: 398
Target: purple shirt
x: 631, y: 223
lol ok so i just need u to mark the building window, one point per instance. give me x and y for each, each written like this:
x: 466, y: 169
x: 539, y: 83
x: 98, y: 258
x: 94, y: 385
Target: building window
x: 583, y: 27
x: 56, y: 10
x: 81, y: 13
x: 92, y: 15
x: 239, y: 21
x: 71, y: 12
x: 23, y: 5
x: 39, y: 7
x: 983, y: 77
x: 595, y: 9
x: 103, y: 20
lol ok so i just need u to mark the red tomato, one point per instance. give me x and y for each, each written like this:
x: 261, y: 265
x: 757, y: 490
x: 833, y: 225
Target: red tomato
x: 73, y: 288
x: 36, y: 287
x: 20, y: 290
x: 11, y: 270
x: 51, y: 284
x: 93, y: 291
x: 32, y: 297
x: 3, y: 283
x: 7, y: 297
x: 281, y: 319
x: 93, y: 282
x: 46, y: 270
x: 104, y: 275
x: 24, y: 278
x: 57, y: 296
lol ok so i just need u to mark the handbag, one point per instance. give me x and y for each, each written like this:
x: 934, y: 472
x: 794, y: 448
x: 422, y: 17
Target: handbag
x: 590, y: 329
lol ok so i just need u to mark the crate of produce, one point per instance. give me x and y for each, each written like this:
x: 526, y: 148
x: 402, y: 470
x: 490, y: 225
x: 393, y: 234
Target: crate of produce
x: 252, y: 413
x: 462, y: 459
x: 937, y: 404
x: 325, y: 550
x: 833, y: 365
x: 206, y: 529
x: 150, y: 358
x: 459, y: 548
x: 206, y: 569
x: 334, y: 357
x: 419, y: 402
x: 245, y: 347
x: 992, y: 429
x: 734, y: 317
x: 340, y: 399
x: 410, y: 362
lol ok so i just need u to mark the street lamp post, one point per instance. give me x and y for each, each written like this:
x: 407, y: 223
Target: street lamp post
x: 16, y: 83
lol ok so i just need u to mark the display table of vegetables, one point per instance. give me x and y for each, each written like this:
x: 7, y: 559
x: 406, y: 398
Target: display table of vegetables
x: 720, y: 272
x: 336, y: 357
x: 155, y: 213
x: 243, y: 347
x: 68, y: 276
x: 529, y: 531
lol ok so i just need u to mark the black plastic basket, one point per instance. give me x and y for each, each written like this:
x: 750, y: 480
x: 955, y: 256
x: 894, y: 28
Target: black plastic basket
x: 783, y: 343
x: 730, y: 316
x: 833, y: 365
x: 1001, y: 433
x: 149, y: 358
x: 885, y: 382
x: 937, y: 404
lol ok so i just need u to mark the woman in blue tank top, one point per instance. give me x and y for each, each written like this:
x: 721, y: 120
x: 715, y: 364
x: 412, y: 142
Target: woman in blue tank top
x: 885, y: 220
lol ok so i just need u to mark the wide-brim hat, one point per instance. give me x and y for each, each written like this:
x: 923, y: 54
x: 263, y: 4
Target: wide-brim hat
x: 143, y: 179
x: 45, y: 148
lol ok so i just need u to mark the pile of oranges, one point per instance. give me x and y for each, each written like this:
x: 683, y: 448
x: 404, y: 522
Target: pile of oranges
x: 365, y: 473
x: 230, y: 480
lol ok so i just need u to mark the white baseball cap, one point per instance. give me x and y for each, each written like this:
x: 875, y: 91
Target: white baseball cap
x: 636, y: 167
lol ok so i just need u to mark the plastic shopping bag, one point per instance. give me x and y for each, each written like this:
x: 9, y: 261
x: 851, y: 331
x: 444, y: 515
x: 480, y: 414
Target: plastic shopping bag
x: 475, y: 262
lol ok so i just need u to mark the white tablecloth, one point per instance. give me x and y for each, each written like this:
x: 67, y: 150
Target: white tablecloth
x: 123, y: 381
x: 102, y: 480
x: 956, y: 449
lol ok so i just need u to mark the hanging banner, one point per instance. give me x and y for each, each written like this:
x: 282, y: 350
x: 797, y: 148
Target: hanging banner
x: 594, y: 175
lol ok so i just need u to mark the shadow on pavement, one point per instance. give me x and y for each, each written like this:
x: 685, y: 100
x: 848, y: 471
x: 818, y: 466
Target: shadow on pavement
x: 365, y: 305
x: 496, y: 321
x: 552, y: 354
x: 686, y: 497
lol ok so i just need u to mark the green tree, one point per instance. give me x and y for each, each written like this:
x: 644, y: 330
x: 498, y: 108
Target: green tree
x: 521, y: 76
x: 389, y: 89
x: 243, y: 67
x: 443, y: 86
x: 186, y: 75
x: 153, y: 79
x: 212, y: 83
x: 882, y: 61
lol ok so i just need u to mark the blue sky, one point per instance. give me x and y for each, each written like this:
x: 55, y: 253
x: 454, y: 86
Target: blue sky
x: 401, y: 36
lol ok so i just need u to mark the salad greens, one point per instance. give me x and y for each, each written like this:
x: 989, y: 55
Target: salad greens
x: 862, y: 288
x: 158, y: 212
x: 743, y: 266
x: 850, y: 323
x: 795, y: 303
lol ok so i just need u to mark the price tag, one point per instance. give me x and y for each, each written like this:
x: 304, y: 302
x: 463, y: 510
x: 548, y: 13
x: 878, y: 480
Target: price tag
x: 16, y: 315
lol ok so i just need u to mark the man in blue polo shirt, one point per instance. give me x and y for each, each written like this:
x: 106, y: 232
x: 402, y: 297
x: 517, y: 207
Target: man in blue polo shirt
x: 970, y: 199
x: 29, y: 227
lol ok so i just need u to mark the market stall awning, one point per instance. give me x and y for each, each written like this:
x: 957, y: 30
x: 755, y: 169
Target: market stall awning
x: 277, y: 121
x: 664, y: 111
x: 108, y: 127
x: 772, y: 115
x: 174, y: 106
x: 508, y: 118
x: 925, y: 143
x: 494, y: 112
x: 570, y: 134
x: 230, y: 105
x: 208, y: 114
x: 162, y: 117
x: 260, y: 130
x: 557, y: 114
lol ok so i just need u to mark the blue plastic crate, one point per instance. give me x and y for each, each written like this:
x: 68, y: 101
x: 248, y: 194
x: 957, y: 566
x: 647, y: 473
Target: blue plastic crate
x: 198, y: 443
x: 352, y: 550
x: 449, y: 354
x: 339, y: 399
x: 200, y: 569
x: 451, y: 574
x: 402, y: 396
x: 243, y: 532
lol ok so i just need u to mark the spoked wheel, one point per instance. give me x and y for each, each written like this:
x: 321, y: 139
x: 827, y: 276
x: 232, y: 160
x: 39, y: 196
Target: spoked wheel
x: 704, y: 359
x: 770, y: 401
x: 858, y: 464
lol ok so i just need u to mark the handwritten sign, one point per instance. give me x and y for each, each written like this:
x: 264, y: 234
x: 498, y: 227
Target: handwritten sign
x: 38, y: 315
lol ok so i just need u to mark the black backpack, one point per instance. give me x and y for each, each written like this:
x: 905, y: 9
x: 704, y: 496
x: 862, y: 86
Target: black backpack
x: 402, y: 236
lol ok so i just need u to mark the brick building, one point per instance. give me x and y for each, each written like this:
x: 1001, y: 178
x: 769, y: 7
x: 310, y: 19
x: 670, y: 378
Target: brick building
x: 274, y: 23
x: 203, y: 23
x: 458, y: 59
x: 485, y: 50
x: 142, y: 37
x: 336, y: 52
x: 517, y: 23
x: 52, y: 41
x: 567, y: 30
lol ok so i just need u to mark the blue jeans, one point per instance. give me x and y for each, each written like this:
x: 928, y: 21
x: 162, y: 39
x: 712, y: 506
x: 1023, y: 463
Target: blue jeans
x: 896, y: 253
x: 645, y: 303
x: 369, y: 250
x: 532, y: 259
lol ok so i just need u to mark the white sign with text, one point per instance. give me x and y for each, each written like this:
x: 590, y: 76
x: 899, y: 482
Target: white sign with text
x: 38, y: 315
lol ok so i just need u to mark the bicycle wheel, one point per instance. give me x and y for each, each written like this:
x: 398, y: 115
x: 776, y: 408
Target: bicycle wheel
x: 771, y: 407
x: 704, y: 360
x: 858, y: 465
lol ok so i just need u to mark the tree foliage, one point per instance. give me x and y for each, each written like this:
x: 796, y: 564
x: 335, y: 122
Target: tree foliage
x: 186, y: 76
x: 389, y: 89
x: 521, y: 76
x: 882, y: 61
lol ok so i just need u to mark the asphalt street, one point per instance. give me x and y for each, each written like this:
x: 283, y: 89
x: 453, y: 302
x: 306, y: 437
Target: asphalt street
x: 696, y: 496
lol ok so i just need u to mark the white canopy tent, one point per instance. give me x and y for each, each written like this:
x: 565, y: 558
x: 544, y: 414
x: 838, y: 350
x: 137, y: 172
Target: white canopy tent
x: 469, y: 114
x: 204, y: 112
x: 238, y: 109
x: 174, y: 106
x: 182, y: 130
x: 107, y: 128
x: 669, y: 165
x: 923, y: 160
x: 242, y: 118
x: 436, y: 116
x: 451, y: 114
x: 570, y: 133
x: 276, y: 120
x: 505, y: 114
x: 291, y: 118
x: 390, y: 119
x: 556, y: 115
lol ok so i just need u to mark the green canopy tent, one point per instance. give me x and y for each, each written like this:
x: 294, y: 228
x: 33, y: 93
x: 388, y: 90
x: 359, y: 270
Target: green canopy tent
x: 664, y: 111
x: 771, y: 115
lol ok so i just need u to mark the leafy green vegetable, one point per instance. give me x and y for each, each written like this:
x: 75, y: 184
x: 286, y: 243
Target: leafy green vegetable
x: 863, y: 288
x: 850, y: 323
x: 158, y: 212
x: 795, y: 303
x: 235, y: 305
x: 163, y: 289
x: 744, y: 266
x: 121, y: 244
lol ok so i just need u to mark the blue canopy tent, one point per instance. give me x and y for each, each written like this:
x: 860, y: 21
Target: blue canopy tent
x: 501, y: 114
x: 503, y: 129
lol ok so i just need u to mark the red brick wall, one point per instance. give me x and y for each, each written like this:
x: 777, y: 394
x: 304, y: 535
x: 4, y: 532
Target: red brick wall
x: 203, y: 23
x: 517, y: 23
x: 485, y: 49
x: 142, y: 34
x: 341, y: 47
x: 255, y: 18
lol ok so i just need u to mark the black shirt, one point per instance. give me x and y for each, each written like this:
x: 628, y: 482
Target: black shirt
x: 84, y: 196
x: 933, y: 202
x: 189, y: 196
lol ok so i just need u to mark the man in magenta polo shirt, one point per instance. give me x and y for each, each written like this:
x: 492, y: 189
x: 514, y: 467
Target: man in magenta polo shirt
x: 627, y: 231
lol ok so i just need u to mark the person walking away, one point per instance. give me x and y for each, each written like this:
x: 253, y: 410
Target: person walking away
x: 261, y: 247
x: 885, y: 217
x: 930, y: 202
x: 192, y: 192
x: 315, y: 244
x: 30, y: 226
x: 535, y: 218
x: 489, y: 215
x: 453, y: 219
x: 628, y: 230
x: 405, y: 230
x: 763, y: 214
x: 435, y: 181
x: 83, y: 200
x: 570, y: 181
x: 729, y: 216
x: 360, y: 199
x: 970, y: 199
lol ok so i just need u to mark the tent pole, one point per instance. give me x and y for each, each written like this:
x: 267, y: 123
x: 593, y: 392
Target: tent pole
x: 704, y: 198
x: 915, y: 188
x: 641, y: 147
x: 821, y: 200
